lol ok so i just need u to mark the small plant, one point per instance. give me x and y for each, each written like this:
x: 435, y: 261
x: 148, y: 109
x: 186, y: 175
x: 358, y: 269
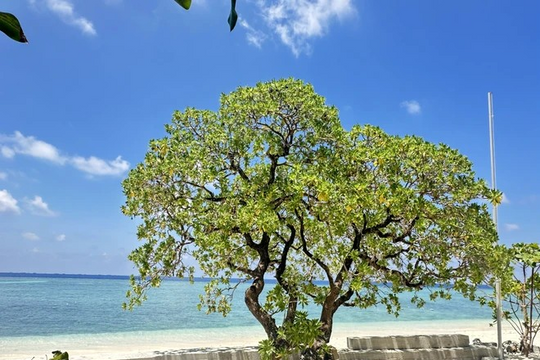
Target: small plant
x: 58, y: 355
x: 298, y: 337
x: 522, y: 295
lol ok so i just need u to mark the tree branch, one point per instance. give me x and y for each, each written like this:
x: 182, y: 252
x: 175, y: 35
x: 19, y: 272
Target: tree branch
x: 236, y: 167
x: 283, y: 262
x: 306, y: 251
x: 373, y: 229
x: 246, y: 271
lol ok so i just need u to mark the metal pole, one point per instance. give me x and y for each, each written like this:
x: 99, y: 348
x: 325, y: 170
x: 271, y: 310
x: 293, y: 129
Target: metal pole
x: 499, y: 316
x: 492, y: 152
x: 498, y: 301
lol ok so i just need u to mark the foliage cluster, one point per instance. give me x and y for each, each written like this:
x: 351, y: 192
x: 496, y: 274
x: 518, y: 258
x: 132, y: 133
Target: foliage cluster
x: 521, y: 289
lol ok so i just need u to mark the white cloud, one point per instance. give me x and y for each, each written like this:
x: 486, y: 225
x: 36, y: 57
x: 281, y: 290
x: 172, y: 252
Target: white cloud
x: 253, y: 36
x: 511, y: 227
x: 297, y: 22
x: 505, y: 199
x: 3, y: 175
x: 30, y: 236
x: 95, y: 166
x: 65, y: 10
x: 8, y: 203
x: 61, y: 237
x: 39, y: 207
x: 7, y: 152
x: 412, y: 107
x: 10, y: 145
x: 29, y: 145
x: 36, y: 250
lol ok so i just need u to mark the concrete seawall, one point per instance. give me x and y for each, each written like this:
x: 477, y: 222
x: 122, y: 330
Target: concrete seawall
x: 418, y: 347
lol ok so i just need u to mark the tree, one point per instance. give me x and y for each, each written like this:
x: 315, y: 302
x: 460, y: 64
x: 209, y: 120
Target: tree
x: 522, y: 294
x: 271, y: 185
x: 9, y: 24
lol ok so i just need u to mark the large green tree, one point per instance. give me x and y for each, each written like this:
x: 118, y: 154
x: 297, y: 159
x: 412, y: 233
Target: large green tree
x: 272, y: 185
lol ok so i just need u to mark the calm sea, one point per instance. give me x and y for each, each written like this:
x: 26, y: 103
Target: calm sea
x: 39, y: 305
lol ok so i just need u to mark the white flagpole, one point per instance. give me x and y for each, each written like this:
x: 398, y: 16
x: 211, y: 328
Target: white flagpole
x: 494, y: 186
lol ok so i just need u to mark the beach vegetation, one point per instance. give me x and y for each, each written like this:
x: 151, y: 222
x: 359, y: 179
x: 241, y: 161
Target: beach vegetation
x: 271, y: 185
x: 59, y: 355
x: 521, y: 289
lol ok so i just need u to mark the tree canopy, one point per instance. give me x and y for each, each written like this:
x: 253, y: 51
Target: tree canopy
x: 272, y: 185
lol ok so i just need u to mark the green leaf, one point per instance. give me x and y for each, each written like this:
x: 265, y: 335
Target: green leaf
x: 58, y: 355
x: 186, y: 4
x: 233, y: 16
x: 10, y: 26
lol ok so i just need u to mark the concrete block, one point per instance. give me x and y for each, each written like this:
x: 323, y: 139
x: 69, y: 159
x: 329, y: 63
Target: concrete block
x: 466, y: 353
x: 423, y: 347
x: 407, y: 342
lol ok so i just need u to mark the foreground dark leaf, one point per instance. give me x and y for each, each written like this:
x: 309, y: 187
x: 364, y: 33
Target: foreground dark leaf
x: 186, y: 4
x: 233, y: 16
x: 10, y: 26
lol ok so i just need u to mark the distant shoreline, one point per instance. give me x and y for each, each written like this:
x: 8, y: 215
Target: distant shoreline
x: 85, y: 276
x: 98, y: 277
x: 127, y: 277
x: 67, y: 276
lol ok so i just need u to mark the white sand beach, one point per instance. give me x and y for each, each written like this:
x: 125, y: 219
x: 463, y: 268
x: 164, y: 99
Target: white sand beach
x: 116, y: 346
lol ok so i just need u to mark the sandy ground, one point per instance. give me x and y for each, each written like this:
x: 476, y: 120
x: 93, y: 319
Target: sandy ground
x: 145, y: 344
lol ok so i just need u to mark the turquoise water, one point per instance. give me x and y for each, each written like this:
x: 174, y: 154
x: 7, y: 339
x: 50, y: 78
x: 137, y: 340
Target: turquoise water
x: 52, y: 306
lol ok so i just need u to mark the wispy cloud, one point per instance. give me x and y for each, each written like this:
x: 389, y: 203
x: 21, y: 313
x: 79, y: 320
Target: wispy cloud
x: 29, y: 145
x: 30, y: 236
x: 511, y: 227
x: 253, y: 36
x: 298, y: 22
x: 96, y: 166
x: 529, y: 200
x: 61, y: 237
x: 8, y: 203
x: 412, y: 107
x: 505, y: 199
x: 12, y: 145
x: 39, y: 207
x: 65, y: 10
x: 3, y: 175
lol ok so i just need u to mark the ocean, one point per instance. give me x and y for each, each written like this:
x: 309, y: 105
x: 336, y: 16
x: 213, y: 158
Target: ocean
x: 41, y: 311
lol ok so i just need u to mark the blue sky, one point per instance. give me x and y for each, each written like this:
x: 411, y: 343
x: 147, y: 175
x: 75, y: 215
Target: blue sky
x: 100, y: 78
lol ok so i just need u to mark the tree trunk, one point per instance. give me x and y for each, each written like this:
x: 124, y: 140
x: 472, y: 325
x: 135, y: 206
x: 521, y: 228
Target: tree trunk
x: 327, y: 322
x: 251, y: 299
